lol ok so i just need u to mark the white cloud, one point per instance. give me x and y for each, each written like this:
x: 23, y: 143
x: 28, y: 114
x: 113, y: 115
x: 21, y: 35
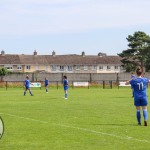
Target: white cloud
x: 31, y: 17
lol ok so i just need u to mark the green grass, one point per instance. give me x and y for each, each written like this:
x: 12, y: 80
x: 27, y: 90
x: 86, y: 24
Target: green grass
x: 91, y: 119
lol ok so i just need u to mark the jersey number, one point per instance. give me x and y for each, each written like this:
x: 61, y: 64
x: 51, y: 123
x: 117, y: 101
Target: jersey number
x: 140, y: 85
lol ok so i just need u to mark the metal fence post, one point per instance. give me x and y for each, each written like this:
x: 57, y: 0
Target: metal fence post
x: 103, y: 84
x: 57, y: 84
x: 6, y: 85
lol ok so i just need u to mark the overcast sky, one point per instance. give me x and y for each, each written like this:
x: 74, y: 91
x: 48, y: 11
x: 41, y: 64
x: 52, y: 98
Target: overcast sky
x: 71, y: 26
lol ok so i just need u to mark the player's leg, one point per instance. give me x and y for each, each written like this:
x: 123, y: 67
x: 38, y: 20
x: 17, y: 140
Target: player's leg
x: 66, y: 93
x: 46, y: 87
x: 144, y: 103
x: 138, y: 115
x: 25, y: 91
x: 145, y: 115
x: 30, y: 92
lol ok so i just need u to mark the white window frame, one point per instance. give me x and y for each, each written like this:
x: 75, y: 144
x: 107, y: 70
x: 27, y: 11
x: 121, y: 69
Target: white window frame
x: 53, y: 67
x: 61, y: 68
x: 9, y: 67
x: 78, y: 67
x: 101, y: 67
x: 19, y: 67
x: 28, y: 67
x: 94, y: 67
x: 108, y: 67
x: 85, y: 67
x: 70, y: 68
x: 116, y: 67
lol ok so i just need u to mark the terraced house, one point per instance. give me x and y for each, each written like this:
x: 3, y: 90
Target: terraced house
x: 53, y: 63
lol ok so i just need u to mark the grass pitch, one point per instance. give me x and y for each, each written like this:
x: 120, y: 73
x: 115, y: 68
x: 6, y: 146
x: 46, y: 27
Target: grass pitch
x: 91, y: 119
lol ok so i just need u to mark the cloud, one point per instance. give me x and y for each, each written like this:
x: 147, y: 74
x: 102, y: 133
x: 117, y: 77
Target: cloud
x: 35, y: 17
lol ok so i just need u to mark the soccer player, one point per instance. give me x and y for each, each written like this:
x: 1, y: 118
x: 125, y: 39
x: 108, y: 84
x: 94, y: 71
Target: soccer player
x: 27, y: 86
x: 139, y: 85
x: 46, y: 84
x: 65, y: 84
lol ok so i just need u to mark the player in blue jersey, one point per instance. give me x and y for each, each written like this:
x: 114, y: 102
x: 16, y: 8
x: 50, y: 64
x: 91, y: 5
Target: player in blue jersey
x: 46, y: 84
x: 65, y: 84
x: 27, y: 86
x: 139, y: 85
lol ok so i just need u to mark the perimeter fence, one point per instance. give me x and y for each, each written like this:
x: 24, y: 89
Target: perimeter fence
x: 99, y: 80
x: 103, y: 84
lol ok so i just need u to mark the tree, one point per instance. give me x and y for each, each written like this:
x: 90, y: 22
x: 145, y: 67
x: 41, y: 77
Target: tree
x: 3, y: 72
x: 138, y: 52
x: 148, y: 62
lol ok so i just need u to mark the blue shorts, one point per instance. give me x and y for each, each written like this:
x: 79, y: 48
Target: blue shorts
x: 27, y: 87
x: 65, y: 88
x: 46, y: 85
x: 141, y: 101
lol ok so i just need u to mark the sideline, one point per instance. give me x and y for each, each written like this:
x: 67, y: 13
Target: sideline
x: 35, y: 120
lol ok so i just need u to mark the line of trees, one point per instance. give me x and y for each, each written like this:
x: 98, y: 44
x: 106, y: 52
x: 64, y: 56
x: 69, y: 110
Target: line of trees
x: 138, y: 53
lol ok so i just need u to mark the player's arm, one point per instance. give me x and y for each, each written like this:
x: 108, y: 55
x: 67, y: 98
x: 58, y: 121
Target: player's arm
x: 24, y: 83
x: 127, y: 82
x: 31, y: 83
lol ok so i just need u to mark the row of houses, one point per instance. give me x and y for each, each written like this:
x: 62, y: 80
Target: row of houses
x: 53, y: 63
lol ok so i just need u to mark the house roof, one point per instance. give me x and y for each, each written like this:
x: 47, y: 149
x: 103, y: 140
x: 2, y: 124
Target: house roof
x: 9, y: 59
x: 33, y: 59
x: 59, y: 59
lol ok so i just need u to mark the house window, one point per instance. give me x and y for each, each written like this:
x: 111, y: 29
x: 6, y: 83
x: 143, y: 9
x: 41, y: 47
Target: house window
x: 77, y: 67
x: 94, y: 67
x: 85, y: 67
x: 69, y: 68
x: 61, y: 68
x: 116, y: 68
x: 28, y: 67
x: 108, y: 67
x: 9, y: 67
x: 53, y: 68
x: 19, y: 67
x: 100, y: 67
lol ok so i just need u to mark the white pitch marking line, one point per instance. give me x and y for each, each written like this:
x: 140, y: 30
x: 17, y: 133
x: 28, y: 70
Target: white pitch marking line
x: 25, y: 118
x: 103, y: 133
x: 82, y: 129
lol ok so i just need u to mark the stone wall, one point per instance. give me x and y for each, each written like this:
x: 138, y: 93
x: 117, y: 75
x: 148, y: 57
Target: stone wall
x: 71, y: 77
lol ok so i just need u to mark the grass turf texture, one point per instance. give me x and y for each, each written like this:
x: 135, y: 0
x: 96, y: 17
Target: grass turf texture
x: 91, y: 119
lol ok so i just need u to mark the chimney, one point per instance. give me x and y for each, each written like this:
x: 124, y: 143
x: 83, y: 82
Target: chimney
x: 35, y: 53
x: 101, y: 54
x: 53, y: 53
x: 3, y: 53
x: 83, y: 54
